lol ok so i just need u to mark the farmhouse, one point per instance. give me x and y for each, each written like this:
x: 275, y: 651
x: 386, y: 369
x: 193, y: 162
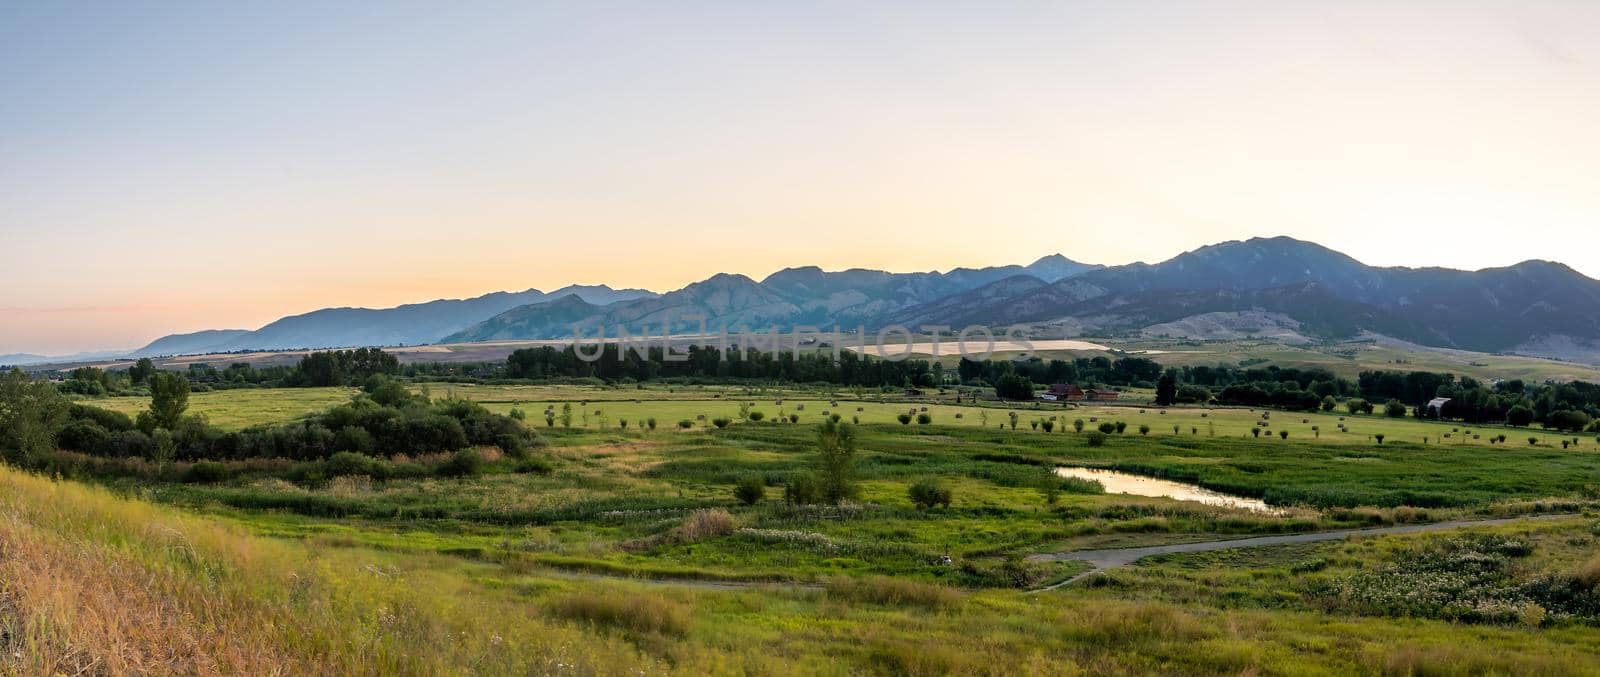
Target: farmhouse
x: 1062, y: 392
x: 1436, y: 406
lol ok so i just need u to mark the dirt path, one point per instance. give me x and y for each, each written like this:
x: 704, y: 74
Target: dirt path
x: 1102, y: 560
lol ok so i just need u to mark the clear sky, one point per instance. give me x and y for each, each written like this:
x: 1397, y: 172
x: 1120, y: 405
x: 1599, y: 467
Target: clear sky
x: 170, y: 167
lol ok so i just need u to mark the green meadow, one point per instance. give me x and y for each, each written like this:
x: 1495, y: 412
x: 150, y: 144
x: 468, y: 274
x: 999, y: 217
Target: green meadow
x: 628, y: 548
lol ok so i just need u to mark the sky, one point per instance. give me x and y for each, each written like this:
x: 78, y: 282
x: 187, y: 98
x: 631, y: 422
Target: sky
x: 170, y: 167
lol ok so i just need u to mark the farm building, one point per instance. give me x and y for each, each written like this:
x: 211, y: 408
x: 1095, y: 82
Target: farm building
x: 1094, y: 395
x: 1062, y: 392
x: 1436, y: 406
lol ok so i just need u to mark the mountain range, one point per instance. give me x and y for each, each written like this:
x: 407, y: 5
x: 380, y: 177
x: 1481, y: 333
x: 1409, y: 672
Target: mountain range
x: 1279, y: 287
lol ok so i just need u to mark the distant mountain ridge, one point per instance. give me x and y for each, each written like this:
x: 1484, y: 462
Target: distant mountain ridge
x: 410, y: 324
x: 1274, y: 287
x: 803, y: 296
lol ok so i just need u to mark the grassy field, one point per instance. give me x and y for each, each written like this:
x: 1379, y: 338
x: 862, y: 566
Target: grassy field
x: 235, y: 409
x: 632, y: 554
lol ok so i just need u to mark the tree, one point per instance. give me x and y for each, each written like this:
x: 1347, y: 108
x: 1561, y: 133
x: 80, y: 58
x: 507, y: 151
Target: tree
x: 1568, y: 420
x: 1167, y: 388
x: 1519, y: 416
x: 1378, y: 437
x: 30, y: 413
x: 1358, y: 406
x: 169, y: 398
x: 924, y: 418
x: 1328, y: 403
x: 1394, y: 409
x: 904, y: 419
x: 141, y: 371
x: 1013, y: 387
x: 836, y: 449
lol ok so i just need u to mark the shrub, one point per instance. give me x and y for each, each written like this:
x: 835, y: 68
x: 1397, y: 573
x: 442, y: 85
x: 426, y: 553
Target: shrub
x: 511, y: 445
x: 1097, y: 438
x: 1077, y: 425
x: 463, y: 463
x: 928, y: 492
x: 637, y: 612
x: 794, y: 418
x: 1144, y: 429
x: 924, y: 419
x: 206, y: 472
x: 721, y: 422
x: 1394, y: 409
x: 1121, y: 426
x: 1048, y: 425
x: 350, y: 463
x: 685, y: 424
x: 756, y: 415
x: 904, y: 419
x: 1532, y: 440
x: 750, y: 489
x: 1107, y: 428
x: 650, y: 423
x: 803, y: 489
x: 704, y: 524
x: 1378, y: 437
x: 1283, y: 434
x: 534, y: 466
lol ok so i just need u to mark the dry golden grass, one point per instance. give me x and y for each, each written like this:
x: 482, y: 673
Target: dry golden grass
x: 704, y: 524
x: 91, y: 583
x: 892, y: 592
x: 1588, y: 573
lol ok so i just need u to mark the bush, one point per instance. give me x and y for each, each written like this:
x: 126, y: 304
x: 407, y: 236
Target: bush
x: 464, y: 463
x: 1107, y: 428
x: 750, y: 490
x: 650, y: 423
x: 511, y: 445
x: 1283, y: 434
x: 1097, y: 438
x: 924, y: 419
x: 1077, y: 425
x: 1394, y: 409
x: 756, y: 415
x: 1144, y: 429
x: 1378, y: 437
x: 206, y: 472
x: 1048, y: 425
x: 721, y: 422
x: 347, y: 463
x: 704, y: 524
x: 1120, y: 426
x: 534, y: 466
x: 803, y: 489
x: 926, y: 493
x: 685, y: 424
x: 904, y: 419
x: 1519, y: 416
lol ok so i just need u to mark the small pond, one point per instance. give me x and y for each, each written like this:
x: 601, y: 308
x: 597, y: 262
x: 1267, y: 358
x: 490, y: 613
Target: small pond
x: 1139, y: 485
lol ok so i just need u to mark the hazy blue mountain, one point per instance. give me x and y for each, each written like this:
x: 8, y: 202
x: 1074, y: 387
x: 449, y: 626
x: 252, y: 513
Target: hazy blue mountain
x: 410, y: 324
x: 206, y: 341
